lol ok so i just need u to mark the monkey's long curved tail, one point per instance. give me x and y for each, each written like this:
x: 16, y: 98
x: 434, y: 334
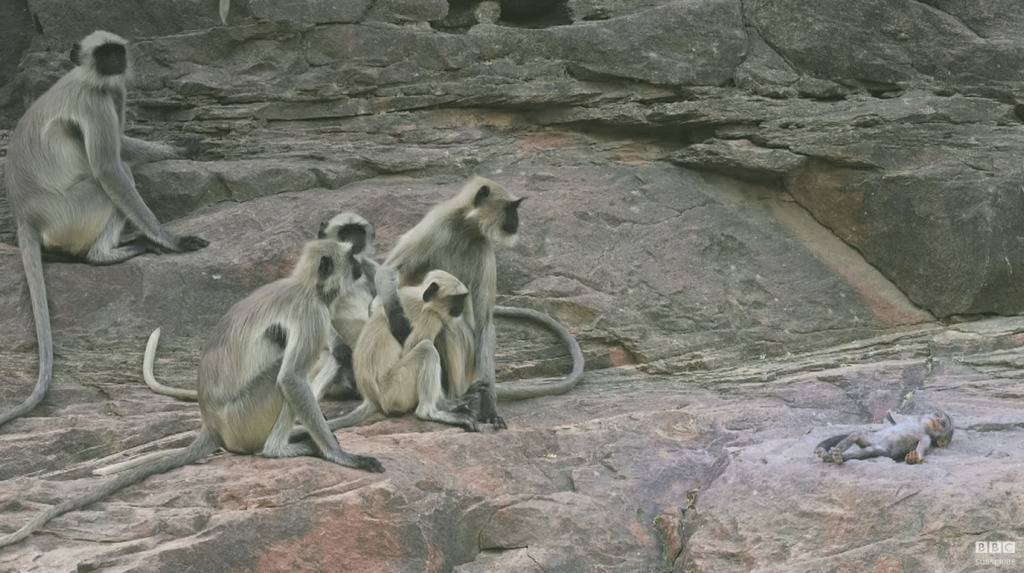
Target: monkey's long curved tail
x: 152, y: 382
x: 516, y: 391
x: 32, y: 260
x: 205, y: 444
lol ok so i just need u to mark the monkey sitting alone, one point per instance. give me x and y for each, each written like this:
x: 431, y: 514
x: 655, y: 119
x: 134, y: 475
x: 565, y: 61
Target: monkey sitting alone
x: 401, y: 372
x: 907, y: 439
x: 254, y: 380
x: 70, y: 185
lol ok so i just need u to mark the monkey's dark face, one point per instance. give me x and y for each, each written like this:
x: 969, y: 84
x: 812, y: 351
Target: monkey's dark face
x: 353, y: 233
x: 456, y: 305
x: 496, y: 213
x: 940, y: 427
x: 444, y: 295
x: 336, y: 274
x: 110, y: 59
x: 510, y: 225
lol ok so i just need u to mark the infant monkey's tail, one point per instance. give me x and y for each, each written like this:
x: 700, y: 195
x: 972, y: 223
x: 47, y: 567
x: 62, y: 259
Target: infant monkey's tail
x: 152, y: 382
x: 519, y: 391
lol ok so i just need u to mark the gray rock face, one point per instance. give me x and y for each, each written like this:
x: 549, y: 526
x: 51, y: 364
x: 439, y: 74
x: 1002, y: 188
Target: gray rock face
x: 753, y: 214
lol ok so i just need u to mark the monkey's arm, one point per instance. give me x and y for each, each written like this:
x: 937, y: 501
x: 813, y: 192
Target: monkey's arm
x: 386, y: 282
x: 139, y: 151
x: 103, y: 148
x: 917, y: 455
x: 300, y: 356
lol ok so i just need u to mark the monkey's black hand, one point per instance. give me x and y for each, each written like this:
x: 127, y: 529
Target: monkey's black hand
x: 369, y: 464
x: 496, y: 421
x: 190, y: 243
x: 189, y: 147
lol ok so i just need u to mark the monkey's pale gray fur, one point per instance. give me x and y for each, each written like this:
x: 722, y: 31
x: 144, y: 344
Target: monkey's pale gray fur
x: 69, y: 187
x: 349, y: 311
x: 396, y: 378
x: 459, y: 236
x: 254, y: 379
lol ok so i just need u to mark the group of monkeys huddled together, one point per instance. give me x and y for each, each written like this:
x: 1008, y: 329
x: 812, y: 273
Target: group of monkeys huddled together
x: 412, y: 334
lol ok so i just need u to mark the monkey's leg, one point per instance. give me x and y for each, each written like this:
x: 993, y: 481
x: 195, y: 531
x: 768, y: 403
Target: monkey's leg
x: 363, y: 411
x: 485, y: 369
x: 865, y: 453
x: 105, y: 251
x: 327, y: 369
x: 845, y: 444
x: 423, y: 363
x: 278, y: 444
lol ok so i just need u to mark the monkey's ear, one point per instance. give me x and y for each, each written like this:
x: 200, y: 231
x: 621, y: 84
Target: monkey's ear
x: 481, y: 195
x: 431, y: 292
x: 326, y: 267
x: 322, y: 231
x: 74, y: 54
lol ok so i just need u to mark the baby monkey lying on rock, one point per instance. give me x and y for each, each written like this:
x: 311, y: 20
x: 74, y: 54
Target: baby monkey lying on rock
x: 906, y: 440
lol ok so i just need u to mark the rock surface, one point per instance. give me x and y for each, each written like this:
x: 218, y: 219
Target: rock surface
x: 760, y: 217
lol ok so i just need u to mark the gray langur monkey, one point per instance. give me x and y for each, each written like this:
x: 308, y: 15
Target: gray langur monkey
x: 349, y: 312
x: 907, y: 439
x: 397, y: 376
x: 459, y: 236
x: 69, y: 187
x: 254, y: 380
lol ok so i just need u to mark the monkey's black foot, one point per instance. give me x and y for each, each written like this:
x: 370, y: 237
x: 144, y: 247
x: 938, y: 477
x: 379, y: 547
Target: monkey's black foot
x: 470, y: 425
x: 821, y: 453
x: 836, y: 455
x: 462, y: 408
x: 497, y: 421
x: 191, y: 243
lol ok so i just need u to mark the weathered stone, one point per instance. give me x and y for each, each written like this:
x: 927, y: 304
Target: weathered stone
x: 756, y: 209
x: 740, y: 158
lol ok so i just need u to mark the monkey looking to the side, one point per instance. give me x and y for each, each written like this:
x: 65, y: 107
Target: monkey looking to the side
x: 460, y: 236
x: 905, y: 440
x: 254, y: 379
x: 349, y: 312
x: 399, y: 375
x: 69, y: 187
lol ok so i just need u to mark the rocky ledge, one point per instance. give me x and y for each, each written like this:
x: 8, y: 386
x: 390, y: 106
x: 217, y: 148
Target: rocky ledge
x: 767, y: 221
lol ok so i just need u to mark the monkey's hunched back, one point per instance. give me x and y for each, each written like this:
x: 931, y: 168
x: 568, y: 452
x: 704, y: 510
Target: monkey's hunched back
x: 254, y: 380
